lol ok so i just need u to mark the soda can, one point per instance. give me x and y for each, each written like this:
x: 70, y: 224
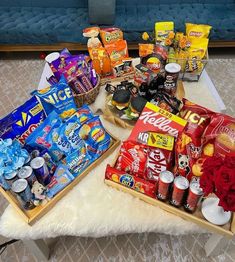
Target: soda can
x: 194, y: 195
x: 164, y: 182
x: 11, y: 177
x: 3, y: 183
x: 21, y: 188
x: 26, y: 172
x: 180, y: 185
x: 34, y: 153
x: 41, y: 171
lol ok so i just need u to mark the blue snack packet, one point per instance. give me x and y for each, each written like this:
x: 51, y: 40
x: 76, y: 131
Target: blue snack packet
x: 60, y: 180
x: 22, y: 121
x: 78, y: 160
x: 60, y: 96
x: 83, y: 114
x: 39, y: 138
x: 95, y: 137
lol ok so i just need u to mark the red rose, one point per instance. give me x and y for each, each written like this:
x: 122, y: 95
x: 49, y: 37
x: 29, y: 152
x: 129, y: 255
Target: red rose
x: 207, y: 182
x: 228, y: 201
x: 229, y: 161
x: 224, y: 179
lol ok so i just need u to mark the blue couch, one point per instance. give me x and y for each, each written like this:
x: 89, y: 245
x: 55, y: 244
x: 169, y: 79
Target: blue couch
x: 34, y: 22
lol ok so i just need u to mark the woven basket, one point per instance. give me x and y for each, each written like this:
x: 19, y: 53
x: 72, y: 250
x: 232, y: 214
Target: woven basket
x: 88, y: 97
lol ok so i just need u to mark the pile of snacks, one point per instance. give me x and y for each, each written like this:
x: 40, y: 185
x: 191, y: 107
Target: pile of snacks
x: 188, y: 50
x: 42, y: 151
x: 164, y: 154
x: 109, y: 58
x: 76, y: 70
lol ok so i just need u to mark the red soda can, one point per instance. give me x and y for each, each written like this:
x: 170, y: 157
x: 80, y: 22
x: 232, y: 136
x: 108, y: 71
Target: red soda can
x: 164, y: 182
x: 180, y: 185
x: 194, y: 195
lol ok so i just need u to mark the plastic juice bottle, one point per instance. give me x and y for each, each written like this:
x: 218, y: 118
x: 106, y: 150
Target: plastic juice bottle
x: 107, y: 70
x: 96, y: 63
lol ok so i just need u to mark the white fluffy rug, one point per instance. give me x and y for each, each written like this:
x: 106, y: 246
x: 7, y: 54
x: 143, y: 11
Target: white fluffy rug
x: 94, y: 209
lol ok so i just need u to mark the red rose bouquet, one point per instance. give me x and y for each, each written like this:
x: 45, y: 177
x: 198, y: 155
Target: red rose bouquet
x: 219, y: 177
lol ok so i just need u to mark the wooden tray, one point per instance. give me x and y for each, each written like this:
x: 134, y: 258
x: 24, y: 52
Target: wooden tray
x: 113, y: 115
x: 227, y: 230
x: 31, y: 216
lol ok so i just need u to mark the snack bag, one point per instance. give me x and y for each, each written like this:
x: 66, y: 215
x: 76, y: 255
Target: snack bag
x: 92, y: 33
x: 197, y: 30
x: 60, y: 180
x: 132, y: 158
x: 145, y: 49
x: 138, y: 184
x: 117, y: 50
x: 219, y: 136
x: 60, y: 96
x: 39, y: 138
x: 189, y: 143
x: 82, y: 115
x: 79, y: 159
x: 110, y: 35
x: 162, y: 29
x: 95, y: 137
x: 22, y: 121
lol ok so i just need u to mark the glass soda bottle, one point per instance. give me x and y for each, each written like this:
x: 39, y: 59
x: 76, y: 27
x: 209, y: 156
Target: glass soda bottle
x: 107, y: 70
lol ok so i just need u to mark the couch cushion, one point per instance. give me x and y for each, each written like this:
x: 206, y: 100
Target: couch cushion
x: 42, y: 25
x: 136, y: 19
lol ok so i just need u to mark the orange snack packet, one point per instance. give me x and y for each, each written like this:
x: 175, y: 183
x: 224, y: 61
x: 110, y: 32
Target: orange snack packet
x: 117, y: 50
x: 110, y: 35
x: 145, y: 49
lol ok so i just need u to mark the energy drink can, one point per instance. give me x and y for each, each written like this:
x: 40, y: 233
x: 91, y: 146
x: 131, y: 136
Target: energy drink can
x: 21, y: 188
x: 180, y: 185
x: 41, y: 171
x: 11, y: 177
x: 165, y: 180
x: 26, y: 172
x: 194, y: 195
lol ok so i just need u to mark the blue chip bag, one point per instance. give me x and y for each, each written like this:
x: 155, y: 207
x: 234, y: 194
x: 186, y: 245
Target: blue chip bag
x: 78, y: 160
x: 40, y: 136
x: 83, y: 114
x: 60, y: 180
x: 61, y: 97
x: 58, y: 140
x: 22, y: 121
x: 95, y: 137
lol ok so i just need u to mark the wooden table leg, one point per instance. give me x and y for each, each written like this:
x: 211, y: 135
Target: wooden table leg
x: 39, y: 248
x: 216, y: 245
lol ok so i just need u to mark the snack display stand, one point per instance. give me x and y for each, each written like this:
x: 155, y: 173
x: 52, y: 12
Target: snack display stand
x: 31, y: 216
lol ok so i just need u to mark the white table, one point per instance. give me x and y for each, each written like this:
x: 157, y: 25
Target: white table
x: 93, y: 209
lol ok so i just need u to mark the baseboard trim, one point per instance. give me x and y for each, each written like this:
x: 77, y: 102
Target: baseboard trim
x: 83, y: 47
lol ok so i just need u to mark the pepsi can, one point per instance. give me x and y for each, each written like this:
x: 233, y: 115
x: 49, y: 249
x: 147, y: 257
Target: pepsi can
x: 41, y: 171
x: 21, y: 188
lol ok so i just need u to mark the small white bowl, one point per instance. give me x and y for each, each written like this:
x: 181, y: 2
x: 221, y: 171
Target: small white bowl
x: 214, y: 213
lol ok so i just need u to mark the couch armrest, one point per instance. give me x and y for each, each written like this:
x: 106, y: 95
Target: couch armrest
x: 102, y: 12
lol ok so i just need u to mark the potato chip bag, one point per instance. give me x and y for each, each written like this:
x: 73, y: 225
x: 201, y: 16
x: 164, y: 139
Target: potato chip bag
x: 162, y: 29
x: 197, y: 30
x: 110, y: 35
x: 145, y: 49
x: 60, y: 96
x: 196, y: 53
x: 117, y: 50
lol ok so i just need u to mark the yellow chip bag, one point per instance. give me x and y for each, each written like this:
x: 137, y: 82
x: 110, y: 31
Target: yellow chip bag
x: 197, y: 31
x: 199, y: 45
x: 162, y: 30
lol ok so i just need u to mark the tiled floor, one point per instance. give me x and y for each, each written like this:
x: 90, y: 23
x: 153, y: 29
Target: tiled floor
x: 18, y: 77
